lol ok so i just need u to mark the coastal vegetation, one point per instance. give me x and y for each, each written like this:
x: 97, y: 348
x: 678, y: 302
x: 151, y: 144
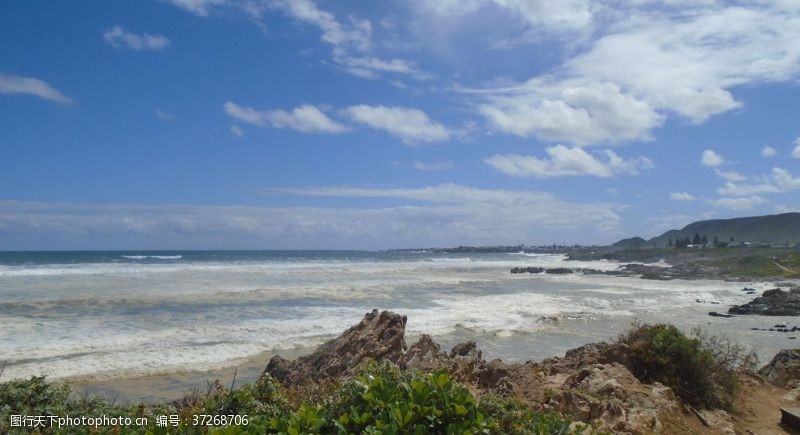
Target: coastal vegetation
x: 381, y: 399
x: 702, y: 371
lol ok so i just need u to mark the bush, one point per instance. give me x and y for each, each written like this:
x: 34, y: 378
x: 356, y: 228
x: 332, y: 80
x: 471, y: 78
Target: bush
x: 387, y: 401
x: 701, y: 370
x: 381, y: 399
x: 512, y: 416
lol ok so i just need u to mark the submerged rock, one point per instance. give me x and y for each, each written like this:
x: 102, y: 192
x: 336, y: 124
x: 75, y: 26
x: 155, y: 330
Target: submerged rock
x: 775, y: 302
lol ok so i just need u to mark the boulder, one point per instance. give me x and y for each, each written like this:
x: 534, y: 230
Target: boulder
x: 783, y: 369
x: 378, y: 336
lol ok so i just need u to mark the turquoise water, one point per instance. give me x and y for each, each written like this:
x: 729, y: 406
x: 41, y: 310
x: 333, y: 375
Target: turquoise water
x: 128, y: 313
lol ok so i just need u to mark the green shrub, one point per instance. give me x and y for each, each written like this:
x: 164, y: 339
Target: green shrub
x: 380, y: 400
x: 702, y: 371
x: 512, y: 417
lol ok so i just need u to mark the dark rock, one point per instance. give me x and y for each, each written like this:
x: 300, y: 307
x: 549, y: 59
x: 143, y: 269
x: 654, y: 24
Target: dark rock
x: 780, y: 326
x: 716, y: 314
x: 775, y: 302
x: 558, y: 271
x: 784, y: 368
x: 379, y: 336
x: 527, y: 270
x: 493, y: 374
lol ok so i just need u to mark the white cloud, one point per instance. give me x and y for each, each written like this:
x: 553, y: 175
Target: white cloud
x: 730, y: 175
x: 449, y: 215
x: 411, y: 125
x: 778, y: 181
x: 117, y: 37
x: 13, y: 84
x: 357, y: 34
x: 796, y: 150
x: 305, y: 118
x: 782, y: 208
x: 351, y: 41
x: 767, y: 152
x: 237, y: 131
x: 785, y: 180
x: 164, y: 115
x: 670, y: 59
x: 573, y: 111
x: 711, y: 159
x: 733, y: 189
x: 681, y: 196
x: 434, y: 167
x: 739, y: 203
x: 563, y: 161
x: 198, y: 7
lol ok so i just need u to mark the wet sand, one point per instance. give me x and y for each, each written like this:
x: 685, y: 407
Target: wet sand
x: 168, y: 387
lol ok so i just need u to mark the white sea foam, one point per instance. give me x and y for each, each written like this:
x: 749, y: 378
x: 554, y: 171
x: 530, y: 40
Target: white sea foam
x: 133, y: 318
x: 154, y: 257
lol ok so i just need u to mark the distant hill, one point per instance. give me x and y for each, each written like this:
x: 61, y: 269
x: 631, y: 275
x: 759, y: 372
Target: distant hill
x: 779, y: 229
x: 633, y: 242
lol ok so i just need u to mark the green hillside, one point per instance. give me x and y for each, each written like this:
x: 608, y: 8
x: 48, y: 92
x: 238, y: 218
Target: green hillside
x: 779, y: 229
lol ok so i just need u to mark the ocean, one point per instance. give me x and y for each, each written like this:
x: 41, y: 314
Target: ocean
x: 129, y: 313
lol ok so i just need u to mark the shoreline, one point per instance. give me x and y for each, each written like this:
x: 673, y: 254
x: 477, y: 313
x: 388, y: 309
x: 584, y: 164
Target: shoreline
x: 166, y: 387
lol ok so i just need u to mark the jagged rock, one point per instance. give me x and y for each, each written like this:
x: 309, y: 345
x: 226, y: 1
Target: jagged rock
x: 494, y: 374
x: 591, y: 383
x: 609, y: 394
x: 425, y: 355
x: 379, y: 336
x: 775, y: 302
x: 783, y: 369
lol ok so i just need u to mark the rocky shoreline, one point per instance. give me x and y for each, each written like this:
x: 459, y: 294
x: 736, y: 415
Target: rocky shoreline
x: 634, y: 270
x: 593, y: 384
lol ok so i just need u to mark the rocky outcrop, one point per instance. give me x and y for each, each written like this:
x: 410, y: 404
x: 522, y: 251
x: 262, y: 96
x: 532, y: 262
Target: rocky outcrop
x: 609, y: 395
x: 591, y: 384
x: 379, y: 336
x: 775, y: 302
x: 784, y: 369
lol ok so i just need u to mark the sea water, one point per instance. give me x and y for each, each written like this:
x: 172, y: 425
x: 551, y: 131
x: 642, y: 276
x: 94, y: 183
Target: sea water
x: 108, y: 314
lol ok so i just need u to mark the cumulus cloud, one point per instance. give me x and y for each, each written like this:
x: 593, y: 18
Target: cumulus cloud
x: 681, y: 196
x: 434, y: 166
x: 117, y: 37
x: 13, y: 84
x: 563, y: 161
x: 767, y: 152
x: 448, y: 215
x: 739, y: 203
x: 778, y: 181
x: 711, y: 159
x: 673, y: 59
x: 411, y: 125
x: 573, y: 111
x: 730, y: 175
x: 305, y: 118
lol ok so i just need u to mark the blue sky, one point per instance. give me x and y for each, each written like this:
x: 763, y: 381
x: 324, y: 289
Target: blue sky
x: 276, y: 124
